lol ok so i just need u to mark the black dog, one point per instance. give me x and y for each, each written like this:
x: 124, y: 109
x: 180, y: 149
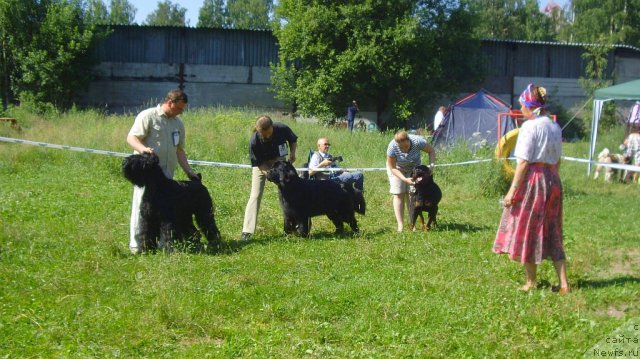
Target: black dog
x: 302, y: 199
x: 425, y: 198
x: 168, y: 207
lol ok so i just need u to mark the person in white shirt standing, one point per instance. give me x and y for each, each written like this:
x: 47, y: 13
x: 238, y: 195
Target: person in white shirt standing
x: 437, y: 120
x: 530, y: 229
x: 158, y: 130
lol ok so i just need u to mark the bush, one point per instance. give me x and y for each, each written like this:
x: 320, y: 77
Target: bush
x: 495, y: 181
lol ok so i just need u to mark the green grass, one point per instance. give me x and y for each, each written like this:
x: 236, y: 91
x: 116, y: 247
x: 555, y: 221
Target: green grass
x: 69, y: 287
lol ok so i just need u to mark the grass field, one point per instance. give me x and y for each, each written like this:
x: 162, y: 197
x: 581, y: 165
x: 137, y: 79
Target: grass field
x: 70, y: 288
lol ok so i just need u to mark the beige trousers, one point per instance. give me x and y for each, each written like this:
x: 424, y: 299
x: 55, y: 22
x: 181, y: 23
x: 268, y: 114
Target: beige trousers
x: 258, y: 178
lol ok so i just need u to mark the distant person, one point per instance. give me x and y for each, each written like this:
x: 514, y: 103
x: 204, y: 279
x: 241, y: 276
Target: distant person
x: 403, y: 154
x: 632, y: 152
x: 158, y: 130
x: 352, y: 110
x: 267, y: 145
x: 531, y: 225
x: 323, y: 159
x: 437, y: 120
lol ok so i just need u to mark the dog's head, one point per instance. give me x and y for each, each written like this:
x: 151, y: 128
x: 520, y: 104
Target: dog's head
x: 421, y: 175
x: 139, y: 169
x: 281, y: 173
x: 604, y: 154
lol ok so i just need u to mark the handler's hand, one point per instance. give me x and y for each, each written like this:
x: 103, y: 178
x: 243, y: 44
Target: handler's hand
x: 508, y: 199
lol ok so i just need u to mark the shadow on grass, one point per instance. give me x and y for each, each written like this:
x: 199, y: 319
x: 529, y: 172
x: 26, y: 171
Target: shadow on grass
x: 235, y: 246
x: 610, y: 282
x: 462, y: 227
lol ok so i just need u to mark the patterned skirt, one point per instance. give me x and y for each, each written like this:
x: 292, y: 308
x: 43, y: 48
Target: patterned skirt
x: 531, y: 229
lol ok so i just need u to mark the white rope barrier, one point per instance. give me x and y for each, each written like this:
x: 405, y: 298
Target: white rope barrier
x: 236, y: 165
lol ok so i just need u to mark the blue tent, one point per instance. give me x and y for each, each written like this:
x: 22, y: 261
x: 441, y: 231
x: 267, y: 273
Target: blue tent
x: 475, y: 120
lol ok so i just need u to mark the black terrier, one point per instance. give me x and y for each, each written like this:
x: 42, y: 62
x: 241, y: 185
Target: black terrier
x: 302, y: 199
x: 168, y: 207
x: 425, y: 198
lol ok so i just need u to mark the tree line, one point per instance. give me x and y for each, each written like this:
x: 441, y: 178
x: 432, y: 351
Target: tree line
x: 396, y: 56
x: 234, y: 14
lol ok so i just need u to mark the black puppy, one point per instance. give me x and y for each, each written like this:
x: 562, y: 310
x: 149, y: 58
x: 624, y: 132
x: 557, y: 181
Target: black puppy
x: 425, y: 198
x: 302, y: 199
x: 168, y: 207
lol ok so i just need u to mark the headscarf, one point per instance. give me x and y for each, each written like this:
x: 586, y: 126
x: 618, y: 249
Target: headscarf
x: 534, y: 98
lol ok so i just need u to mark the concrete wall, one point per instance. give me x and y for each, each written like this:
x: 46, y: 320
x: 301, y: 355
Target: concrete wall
x: 566, y: 92
x: 627, y: 69
x: 130, y: 87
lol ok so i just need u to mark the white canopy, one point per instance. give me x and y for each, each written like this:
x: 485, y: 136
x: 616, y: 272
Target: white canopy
x: 624, y: 91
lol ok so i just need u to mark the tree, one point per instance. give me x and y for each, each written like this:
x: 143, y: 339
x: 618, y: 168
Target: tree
x: 511, y: 19
x: 618, y: 21
x: 595, y: 57
x: 96, y: 13
x: 249, y: 14
x: 213, y: 14
x: 18, y: 22
x: 121, y: 12
x: 392, y: 54
x: 536, y: 26
x: 52, y: 61
x: 167, y: 14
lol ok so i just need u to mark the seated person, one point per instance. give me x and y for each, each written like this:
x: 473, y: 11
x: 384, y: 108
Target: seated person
x: 322, y: 159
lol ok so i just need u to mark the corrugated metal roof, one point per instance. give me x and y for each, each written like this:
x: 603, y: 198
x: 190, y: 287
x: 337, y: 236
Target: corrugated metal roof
x: 230, y: 47
x: 172, y: 44
x: 557, y: 43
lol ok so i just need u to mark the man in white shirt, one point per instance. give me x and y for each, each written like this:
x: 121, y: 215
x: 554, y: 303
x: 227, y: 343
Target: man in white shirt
x: 437, y: 120
x: 159, y: 130
x: 323, y: 159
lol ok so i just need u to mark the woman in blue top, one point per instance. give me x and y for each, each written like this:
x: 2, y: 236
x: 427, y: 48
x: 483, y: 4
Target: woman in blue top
x: 403, y: 153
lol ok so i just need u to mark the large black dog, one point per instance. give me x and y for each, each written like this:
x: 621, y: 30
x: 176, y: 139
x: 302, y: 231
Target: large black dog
x: 168, y: 207
x: 425, y: 198
x: 302, y: 199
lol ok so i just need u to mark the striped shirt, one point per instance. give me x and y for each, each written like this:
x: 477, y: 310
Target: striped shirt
x: 405, y: 161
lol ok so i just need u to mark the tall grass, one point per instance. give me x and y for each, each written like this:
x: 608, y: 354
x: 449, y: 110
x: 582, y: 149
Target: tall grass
x: 69, y: 287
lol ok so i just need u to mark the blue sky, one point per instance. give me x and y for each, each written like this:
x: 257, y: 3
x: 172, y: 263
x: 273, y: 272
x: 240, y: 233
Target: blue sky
x: 145, y: 7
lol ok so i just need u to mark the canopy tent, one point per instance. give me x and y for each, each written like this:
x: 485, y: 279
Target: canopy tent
x: 474, y: 119
x: 624, y: 91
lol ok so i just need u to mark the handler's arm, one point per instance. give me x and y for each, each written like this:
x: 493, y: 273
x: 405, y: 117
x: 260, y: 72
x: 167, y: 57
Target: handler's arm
x: 184, y: 163
x: 432, y: 153
x: 521, y: 169
x: 391, y: 166
x: 292, y: 149
x: 137, y: 144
